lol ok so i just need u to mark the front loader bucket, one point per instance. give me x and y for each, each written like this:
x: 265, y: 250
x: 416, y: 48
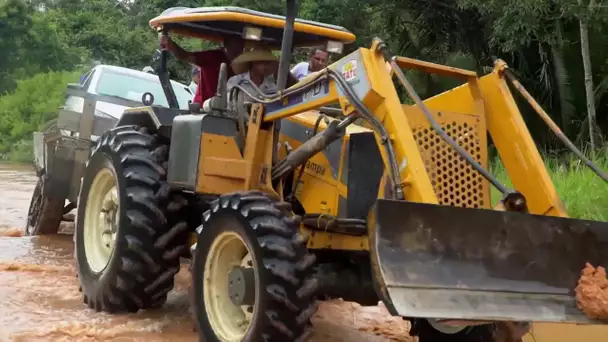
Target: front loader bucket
x: 474, y: 264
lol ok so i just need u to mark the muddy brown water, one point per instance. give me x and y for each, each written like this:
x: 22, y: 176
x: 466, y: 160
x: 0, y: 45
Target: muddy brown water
x: 40, y: 301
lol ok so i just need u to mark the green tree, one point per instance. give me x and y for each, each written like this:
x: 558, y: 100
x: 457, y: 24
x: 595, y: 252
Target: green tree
x: 20, y: 115
x: 30, y: 45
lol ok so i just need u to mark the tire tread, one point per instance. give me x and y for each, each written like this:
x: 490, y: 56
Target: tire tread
x: 288, y: 265
x: 144, y: 273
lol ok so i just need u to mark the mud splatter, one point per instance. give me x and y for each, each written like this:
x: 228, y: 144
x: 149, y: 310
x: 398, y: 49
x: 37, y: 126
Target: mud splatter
x: 371, y: 320
x: 11, y: 232
x: 23, y: 267
x: 592, y: 292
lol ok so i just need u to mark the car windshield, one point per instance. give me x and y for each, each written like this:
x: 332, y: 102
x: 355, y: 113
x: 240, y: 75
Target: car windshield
x: 132, y: 88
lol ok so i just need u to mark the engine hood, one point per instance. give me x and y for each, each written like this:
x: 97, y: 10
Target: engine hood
x: 111, y: 109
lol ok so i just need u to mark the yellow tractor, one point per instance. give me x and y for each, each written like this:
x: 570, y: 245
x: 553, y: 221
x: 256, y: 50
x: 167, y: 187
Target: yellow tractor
x: 385, y: 202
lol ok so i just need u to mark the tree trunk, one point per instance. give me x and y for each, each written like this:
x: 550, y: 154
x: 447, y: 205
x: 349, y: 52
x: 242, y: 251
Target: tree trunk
x: 562, y: 79
x: 584, y: 21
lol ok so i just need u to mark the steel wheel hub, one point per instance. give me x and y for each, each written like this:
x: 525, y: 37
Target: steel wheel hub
x: 229, y: 291
x: 101, y: 220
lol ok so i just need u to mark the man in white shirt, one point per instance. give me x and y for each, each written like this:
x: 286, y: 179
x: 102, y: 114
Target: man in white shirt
x: 195, y: 75
x: 317, y: 60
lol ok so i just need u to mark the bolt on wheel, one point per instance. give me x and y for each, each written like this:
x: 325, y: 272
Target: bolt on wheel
x: 252, y: 276
x: 230, y: 287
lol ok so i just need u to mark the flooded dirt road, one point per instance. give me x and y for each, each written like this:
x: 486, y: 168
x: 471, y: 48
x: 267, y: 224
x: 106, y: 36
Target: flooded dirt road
x: 40, y: 300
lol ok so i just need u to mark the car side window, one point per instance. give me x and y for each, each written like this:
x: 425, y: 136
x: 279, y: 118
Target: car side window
x: 86, y: 80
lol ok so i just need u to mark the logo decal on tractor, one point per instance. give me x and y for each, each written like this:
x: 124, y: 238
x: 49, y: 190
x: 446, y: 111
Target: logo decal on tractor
x: 314, y: 167
x: 349, y: 70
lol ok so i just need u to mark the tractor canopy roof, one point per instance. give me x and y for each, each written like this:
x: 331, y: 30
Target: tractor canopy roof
x: 214, y: 23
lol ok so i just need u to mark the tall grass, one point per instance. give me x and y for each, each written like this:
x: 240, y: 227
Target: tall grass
x: 584, y: 194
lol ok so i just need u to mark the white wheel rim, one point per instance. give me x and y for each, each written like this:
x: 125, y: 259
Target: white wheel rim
x: 101, y: 220
x: 229, y: 321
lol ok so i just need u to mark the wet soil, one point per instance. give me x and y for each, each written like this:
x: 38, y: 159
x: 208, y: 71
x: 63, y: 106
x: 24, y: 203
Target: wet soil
x: 40, y: 300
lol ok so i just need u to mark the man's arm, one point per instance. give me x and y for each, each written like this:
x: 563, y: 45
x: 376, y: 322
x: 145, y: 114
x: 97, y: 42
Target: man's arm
x: 178, y: 51
x: 291, y: 80
x: 299, y: 69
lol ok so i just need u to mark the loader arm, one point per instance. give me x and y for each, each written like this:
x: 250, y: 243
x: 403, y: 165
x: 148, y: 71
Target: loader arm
x: 437, y: 249
x: 365, y: 75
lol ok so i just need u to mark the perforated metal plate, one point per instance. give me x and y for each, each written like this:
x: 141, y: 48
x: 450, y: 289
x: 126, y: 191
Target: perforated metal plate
x: 455, y: 182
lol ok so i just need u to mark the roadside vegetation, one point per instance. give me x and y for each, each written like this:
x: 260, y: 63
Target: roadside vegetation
x: 584, y: 194
x: 34, y: 102
x: 558, y: 49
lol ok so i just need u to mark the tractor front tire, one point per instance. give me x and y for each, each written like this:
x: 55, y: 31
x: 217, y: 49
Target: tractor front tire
x: 252, y: 274
x: 128, y: 246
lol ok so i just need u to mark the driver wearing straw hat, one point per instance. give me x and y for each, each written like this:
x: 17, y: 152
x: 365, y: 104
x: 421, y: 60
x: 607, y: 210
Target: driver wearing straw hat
x: 257, y: 66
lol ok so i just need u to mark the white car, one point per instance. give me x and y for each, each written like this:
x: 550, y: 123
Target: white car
x: 124, y: 84
x: 62, y: 160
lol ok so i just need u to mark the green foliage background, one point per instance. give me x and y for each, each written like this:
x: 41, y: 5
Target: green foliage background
x: 46, y: 43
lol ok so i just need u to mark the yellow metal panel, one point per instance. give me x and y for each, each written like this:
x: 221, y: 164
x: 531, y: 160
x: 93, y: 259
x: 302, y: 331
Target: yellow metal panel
x: 327, y: 240
x: 457, y: 100
x: 418, y: 186
x: 317, y: 195
x: 517, y: 150
x: 214, y: 182
x: 225, y: 167
x: 342, y: 36
x: 432, y: 68
x: 318, y: 191
x: 456, y: 183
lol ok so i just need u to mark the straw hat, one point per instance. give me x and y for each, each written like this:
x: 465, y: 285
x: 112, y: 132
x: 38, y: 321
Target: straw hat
x: 242, y: 63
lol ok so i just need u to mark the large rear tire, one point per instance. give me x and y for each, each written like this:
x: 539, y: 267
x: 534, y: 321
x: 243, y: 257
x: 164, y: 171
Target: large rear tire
x: 252, y: 274
x: 127, y: 245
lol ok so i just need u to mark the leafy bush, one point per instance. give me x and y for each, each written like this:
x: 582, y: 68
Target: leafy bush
x: 35, y: 101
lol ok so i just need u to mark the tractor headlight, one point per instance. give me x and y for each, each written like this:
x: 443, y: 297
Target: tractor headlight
x: 252, y: 33
x: 334, y: 47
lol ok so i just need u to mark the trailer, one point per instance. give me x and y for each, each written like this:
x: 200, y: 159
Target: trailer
x: 62, y: 147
